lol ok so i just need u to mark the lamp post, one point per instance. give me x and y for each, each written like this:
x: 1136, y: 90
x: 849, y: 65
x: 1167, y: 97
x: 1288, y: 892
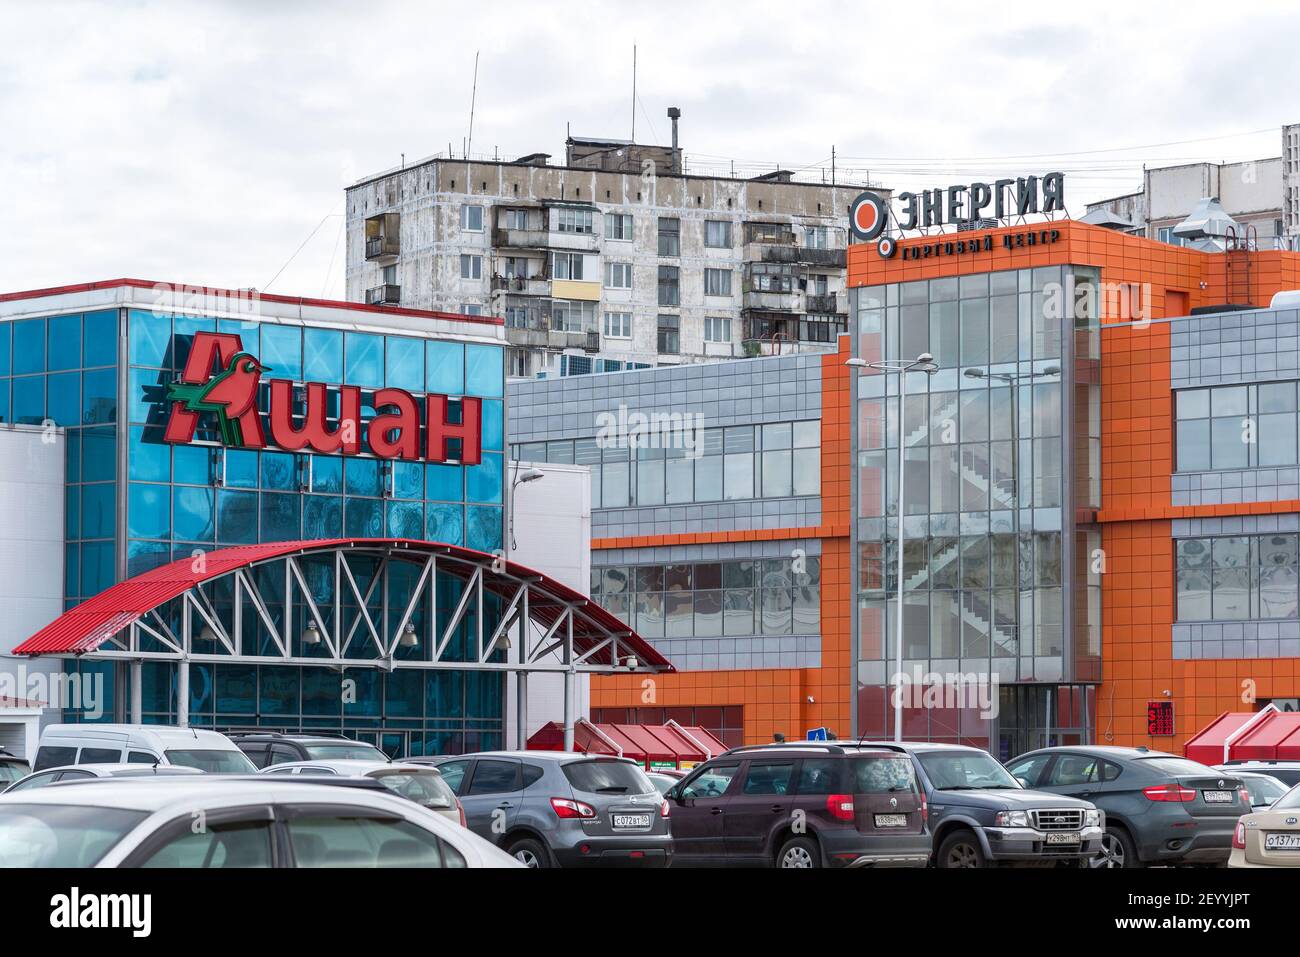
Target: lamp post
x: 922, y: 363
x: 1013, y: 379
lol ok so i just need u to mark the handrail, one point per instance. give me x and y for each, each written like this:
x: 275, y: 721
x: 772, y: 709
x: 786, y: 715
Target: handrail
x: 1269, y: 708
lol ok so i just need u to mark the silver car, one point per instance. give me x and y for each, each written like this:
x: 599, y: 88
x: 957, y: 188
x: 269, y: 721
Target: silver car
x: 415, y: 782
x: 86, y: 772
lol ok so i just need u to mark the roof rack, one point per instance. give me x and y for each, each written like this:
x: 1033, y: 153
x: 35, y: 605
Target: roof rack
x: 823, y: 746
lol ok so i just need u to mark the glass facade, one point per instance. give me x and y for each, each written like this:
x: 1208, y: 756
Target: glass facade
x: 135, y: 502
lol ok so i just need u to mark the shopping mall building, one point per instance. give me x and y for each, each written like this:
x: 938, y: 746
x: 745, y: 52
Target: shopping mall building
x: 248, y: 511
x: 1113, y: 547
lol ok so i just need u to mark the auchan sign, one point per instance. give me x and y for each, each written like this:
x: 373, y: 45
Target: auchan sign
x: 231, y: 395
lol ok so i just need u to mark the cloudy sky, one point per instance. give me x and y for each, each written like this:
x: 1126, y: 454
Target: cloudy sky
x: 210, y: 142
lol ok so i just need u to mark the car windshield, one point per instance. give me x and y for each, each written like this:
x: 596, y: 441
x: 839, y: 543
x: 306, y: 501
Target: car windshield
x: 213, y: 760
x: 57, y: 835
x: 1263, y: 790
x: 608, y: 777
x: 1289, y: 801
x: 10, y: 772
x: 960, y: 770
x: 345, y: 751
x: 422, y: 787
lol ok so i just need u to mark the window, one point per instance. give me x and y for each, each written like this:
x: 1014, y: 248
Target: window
x: 340, y: 840
x: 717, y: 282
x: 821, y: 776
x: 53, y: 756
x: 100, y: 755
x: 669, y: 335
x: 573, y: 315
x: 771, y: 277
x: 816, y: 237
x: 566, y: 266
x: 1236, y: 427
x: 571, y: 220
x: 670, y: 236
x: 471, y: 309
x: 717, y: 234
x: 516, y: 219
x: 670, y: 293
x: 495, y: 777
x: 717, y: 329
x: 471, y: 267
x: 141, y: 757
x: 618, y: 226
x: 1071, y: 770
x: 234, y: 844
x: 712, y: 782
x: 517, y: 267
x: 453, y: 772
x: 471, y: 219
x: 618, y: 325
x: 1235, y: 578
x: 767, y: 779
x: 618, y: 275
x: 607, y: 777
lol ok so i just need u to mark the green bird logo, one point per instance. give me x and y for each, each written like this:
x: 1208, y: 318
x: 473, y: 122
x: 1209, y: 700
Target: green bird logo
x: 228, y: 395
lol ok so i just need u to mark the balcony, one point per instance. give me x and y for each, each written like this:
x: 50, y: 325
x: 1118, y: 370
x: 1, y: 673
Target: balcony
x: 766, y: 301
x: 382, y: 237
x: 829, y: 304
x: 796, y: 255
x: 521, y: 238
x: 522, y: 286
x: 389, y: 294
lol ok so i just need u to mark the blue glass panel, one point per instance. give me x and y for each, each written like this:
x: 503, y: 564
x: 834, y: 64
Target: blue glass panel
x: 404, y: 693
x: 99, y: 396
x: 64, y: 343
x: 99, y: 341
x: 322, y: 355
x: 282, y: 351
x: 72, y: 470
x: 445, y: 367
x: 408, y: 480
x: 322, y: 516
x: 149, y: 338
x: 98, y: 510
x: 6, y: 348
x: 148, y: 395
x: 406, y: 520
x: 149, y: 511
x: 483, y: 481
x: 192, y: 464
x: 446, y: 523
x: 200, y: 691
x: 97, y: 571
x: 241, y: 468
x: 362, y: 477
x: 494, y: 430
x: 326, y: 473
x: 72, y: 515
x: 150, y: 458
x: 98, y: 455
x: 4, y: 397
x: 236, y: 517
x: 443, y: 483
x: 321, y: 691
x: 234, y: 689
x: 280, y: 471
x: 364, y: 518
x: 193, y: 513
x: 143, y: 556
x: 444, y: 694
x: 484, y: 371
x: 482, y: 694
x: 64, y: 405
x: 250, y: 333
x: 277, y: 690
x: 29, y: 346
x: 405, y: 364
x: 280, y: 517
x: 369, y: 692
x: 71, y: 568
x: 29, y: 400
x: 185, y: 328
x: 483, y: 524
x: 365, y: 359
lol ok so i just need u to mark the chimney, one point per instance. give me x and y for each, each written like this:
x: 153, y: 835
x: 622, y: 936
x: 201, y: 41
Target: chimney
x: 675, y: 114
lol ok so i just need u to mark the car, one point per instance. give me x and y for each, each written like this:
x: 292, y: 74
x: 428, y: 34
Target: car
x: 12, y: 768
x: 661, y: 781
x: 62, y: 745
x: 247, y: 822
x: 1264, y: 788
x: 1271, y: 837
x: 419, y: 783
x: 75, y: 772
x: 1160, y: 808
x: 1288, y: 772
x: 562, y: 809
x: 980, y: 816
x: 796, y: 806
x: 265, y: 748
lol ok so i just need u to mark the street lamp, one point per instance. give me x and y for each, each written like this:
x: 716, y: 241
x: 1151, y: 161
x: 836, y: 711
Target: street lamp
x: 1013, y: 379
x: 922, y: 363
x: 527, y: 475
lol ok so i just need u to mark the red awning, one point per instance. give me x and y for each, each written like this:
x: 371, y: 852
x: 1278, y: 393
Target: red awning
x: 1207, y: 746
x: 1270, y: 737
x: 1265, y: 740
x: 643, y: 743
x: 87, y: 626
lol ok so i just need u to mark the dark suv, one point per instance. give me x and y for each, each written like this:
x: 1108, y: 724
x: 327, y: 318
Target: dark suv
x: 801, y: 805
x: 1160, y: 808
x: 557, y: 808
x: 265, y: 748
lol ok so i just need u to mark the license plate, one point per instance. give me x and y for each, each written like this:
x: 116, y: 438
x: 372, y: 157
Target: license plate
x: 1281, y: 842
x: 1054, y: 837
x: 1218, y: 797
x: 631, y: 820
x: 891, y: 820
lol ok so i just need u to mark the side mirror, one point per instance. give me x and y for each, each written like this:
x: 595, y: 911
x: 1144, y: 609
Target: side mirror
x: 1023, y: 782
x: 671, y: 793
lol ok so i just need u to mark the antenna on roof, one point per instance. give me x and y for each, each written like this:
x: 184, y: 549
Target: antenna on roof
x: 634, y: 93
x: 473, y: 99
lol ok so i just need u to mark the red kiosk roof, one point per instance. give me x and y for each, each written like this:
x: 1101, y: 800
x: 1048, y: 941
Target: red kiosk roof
x: 1273, y: 736
x: 640, y: 742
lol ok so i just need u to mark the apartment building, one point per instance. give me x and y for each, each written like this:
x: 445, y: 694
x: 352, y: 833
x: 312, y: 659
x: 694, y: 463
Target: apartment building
x: 614, y: 260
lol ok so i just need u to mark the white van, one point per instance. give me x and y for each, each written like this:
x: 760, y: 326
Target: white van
x: 63, y: 744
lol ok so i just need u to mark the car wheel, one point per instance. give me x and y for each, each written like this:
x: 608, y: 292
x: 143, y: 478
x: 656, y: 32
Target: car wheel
x: 961, y: 849
x: 529, y: 852
x: 1117, y: 850
x: 799, y: 852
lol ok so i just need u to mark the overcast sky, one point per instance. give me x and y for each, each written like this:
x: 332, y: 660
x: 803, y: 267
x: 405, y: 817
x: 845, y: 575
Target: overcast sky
x: 207, y: 142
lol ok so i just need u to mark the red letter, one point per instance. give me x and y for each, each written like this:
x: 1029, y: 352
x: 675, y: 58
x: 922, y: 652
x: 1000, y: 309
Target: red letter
x: 206, y: 347
x: 403, y: 427
x: 440, y: 430
x: 345, y: 438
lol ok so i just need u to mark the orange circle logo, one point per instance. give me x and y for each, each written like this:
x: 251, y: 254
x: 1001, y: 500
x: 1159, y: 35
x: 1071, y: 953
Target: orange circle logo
x: 868, y: 216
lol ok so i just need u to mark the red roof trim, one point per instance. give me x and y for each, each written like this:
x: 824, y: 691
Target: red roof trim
x: 87, y: 626
x: 269, y: 297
